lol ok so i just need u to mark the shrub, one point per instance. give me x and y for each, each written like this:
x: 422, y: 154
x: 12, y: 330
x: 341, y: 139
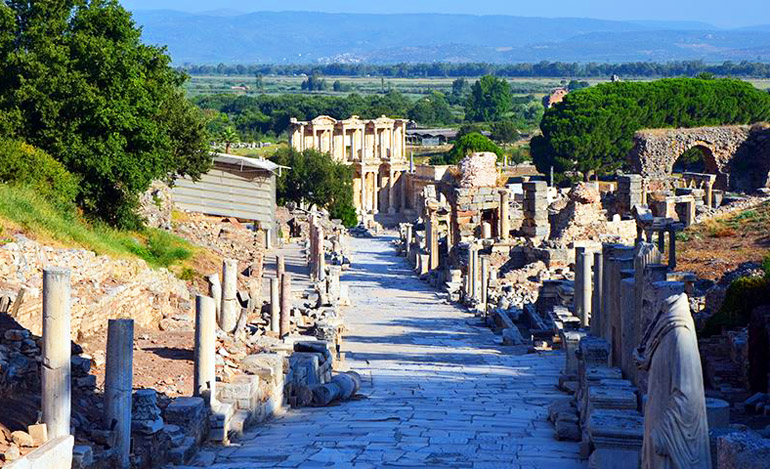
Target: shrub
x: 742, y: 296
x: 23, y: 164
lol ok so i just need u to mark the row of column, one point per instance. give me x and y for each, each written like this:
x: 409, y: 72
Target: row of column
x: 370, y: 190
x: 386, y: 143
x: 56, y: 367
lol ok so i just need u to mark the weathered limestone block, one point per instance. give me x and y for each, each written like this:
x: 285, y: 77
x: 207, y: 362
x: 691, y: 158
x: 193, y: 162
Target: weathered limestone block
x: 189, y: 414
x: 742, y: 450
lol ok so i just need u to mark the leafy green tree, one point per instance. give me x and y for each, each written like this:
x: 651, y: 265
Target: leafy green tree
x: 490, y: 100
x: 317, y: 179
x: 314, y: 83
x: 77, y: 82
x: 467, y: 144
x: 505, y: 132
x: 591, y: 131
x: 228, y: 136
x: 431, y: 110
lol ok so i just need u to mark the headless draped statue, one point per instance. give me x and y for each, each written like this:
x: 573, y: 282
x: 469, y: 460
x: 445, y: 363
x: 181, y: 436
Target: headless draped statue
x: 675, y: 423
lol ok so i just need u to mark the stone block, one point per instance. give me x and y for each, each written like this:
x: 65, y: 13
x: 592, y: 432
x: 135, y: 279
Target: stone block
x: 183, y: 452
x: 742, y: 450
x: 38, y: 433
x: 56, y: 453
x: 718, y: 413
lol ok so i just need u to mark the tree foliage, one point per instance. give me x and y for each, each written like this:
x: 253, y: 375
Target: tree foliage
x: 467, y: 144
x: 315, y: 178
x: 431, y: 110
x: 687, y: 68
x: 490, y: 100
x: 77, y: 82
x: 505, y: 132
x: 23, y: 164
x: 592, y: 130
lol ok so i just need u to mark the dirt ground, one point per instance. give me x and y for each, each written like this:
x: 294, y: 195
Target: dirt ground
x: 162, y: 360
x: 720, y: 245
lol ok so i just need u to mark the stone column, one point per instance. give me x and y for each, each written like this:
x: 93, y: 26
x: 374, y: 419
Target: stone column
x: 474, y: 273
x: 433, y: 242
x: 607, y: 253
x: 583, y: 261
x: 392, y: 192
x: 285, y: 324
x: 484, y: 282
x: 376, y: 193
x: 215, y: 291
x: 709, y: 190
x: 363, y: 189
x: 320, y: 261
x: 56, y: 373
x: 596, y: 298
x: 672, y: 248
x: 505, y: 217
x: 401, y: 191
x: 622, y: 258
x: 228, y: 315
x: 275, y: 305
x: 118, y: 378
x: 628, y: 323
x: 408, y: 244
x: 486, y: 230
x: 280, y: 265
x: 662, y: 241
x: 204, y: 377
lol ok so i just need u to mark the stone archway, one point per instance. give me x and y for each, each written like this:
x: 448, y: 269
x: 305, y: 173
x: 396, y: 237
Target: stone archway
x: 706, y: 162
x: 656, y: 151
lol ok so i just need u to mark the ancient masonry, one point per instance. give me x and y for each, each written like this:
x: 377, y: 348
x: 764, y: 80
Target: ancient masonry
x: 595, y: 275
x: 250, y: 360
x: 375, y: 148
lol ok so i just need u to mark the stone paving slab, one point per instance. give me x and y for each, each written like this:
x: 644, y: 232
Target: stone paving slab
x: 438, y: 389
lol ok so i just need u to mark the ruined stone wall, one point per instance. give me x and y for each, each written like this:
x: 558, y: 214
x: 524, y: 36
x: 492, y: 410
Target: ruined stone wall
x: 102, y: 288
x: 655, y: 151
x: 468, y: 207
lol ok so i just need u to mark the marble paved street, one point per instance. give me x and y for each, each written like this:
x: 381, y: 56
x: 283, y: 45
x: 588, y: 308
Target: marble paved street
x: 438, y: 389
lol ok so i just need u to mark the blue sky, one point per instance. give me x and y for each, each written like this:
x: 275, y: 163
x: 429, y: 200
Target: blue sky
x: 720, y: 13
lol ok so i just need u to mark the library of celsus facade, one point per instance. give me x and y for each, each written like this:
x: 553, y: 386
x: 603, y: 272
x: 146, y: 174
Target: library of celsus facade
x: 375, y: 148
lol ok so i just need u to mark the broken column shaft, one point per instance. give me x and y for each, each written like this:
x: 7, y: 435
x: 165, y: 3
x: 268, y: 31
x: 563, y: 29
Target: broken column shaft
x: 280, y: 266
x: 596, y: 297
x: 228, y: 315
x: 285, y: 324
x: 275, y: 305
x: 118, y: 385
x: 205, y: 348
x: 505, y: 209
x: 56, y: 373
x: 583, y: 261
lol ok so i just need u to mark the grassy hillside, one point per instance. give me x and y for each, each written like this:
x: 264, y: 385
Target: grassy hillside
x: 25, y: 211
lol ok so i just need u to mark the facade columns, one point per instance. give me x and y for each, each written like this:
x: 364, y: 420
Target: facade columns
x: 392, y: 192
x: 376, y: 192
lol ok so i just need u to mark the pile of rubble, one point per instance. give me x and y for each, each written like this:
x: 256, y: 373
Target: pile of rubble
x: 583, y: 217
x: 226, y: 237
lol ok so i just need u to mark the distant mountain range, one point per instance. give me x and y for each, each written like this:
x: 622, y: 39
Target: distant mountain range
x: 231, y: 37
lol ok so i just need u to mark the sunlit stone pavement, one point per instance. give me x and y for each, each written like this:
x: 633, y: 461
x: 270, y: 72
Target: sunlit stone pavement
x: 438, y: 391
